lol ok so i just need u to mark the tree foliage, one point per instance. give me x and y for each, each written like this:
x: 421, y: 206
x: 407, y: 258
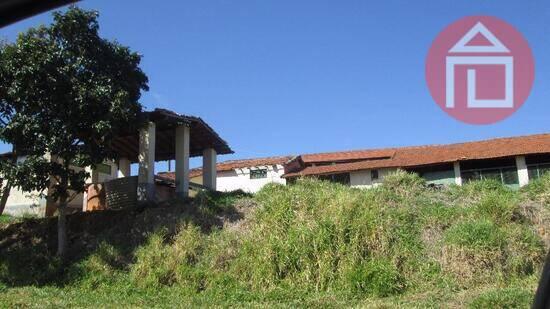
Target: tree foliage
x: 65, y: 93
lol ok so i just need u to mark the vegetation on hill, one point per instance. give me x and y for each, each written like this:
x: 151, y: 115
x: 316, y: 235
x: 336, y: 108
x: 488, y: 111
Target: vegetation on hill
x: 310, y: 244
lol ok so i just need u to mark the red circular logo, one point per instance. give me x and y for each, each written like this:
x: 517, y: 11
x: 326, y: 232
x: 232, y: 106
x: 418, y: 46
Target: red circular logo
x: 480, y: 69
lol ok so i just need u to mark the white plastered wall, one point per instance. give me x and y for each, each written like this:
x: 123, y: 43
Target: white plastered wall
x: 31, y: 203
x: 25, y: 203
x: 362, y: 178
x: 240, y: 179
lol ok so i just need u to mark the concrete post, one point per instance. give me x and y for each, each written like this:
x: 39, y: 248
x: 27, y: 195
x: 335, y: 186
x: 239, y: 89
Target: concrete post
x: 209, y: 172
x: 182, y: 160
x: 458, y: 176
x: 94, y: 178
x: 124, y: 168
x: 523, y: 174
x: 146, y: 158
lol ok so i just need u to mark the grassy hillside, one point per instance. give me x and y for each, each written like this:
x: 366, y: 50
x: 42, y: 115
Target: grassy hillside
x: 310, y: 244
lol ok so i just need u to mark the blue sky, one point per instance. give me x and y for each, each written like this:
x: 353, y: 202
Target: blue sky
x: 290, y: 77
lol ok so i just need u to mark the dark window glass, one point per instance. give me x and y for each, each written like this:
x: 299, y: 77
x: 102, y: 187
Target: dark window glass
x: 374, y: 174
x: 491, y: 174
x: 342, y: 178
x: 505, y: 175
x: 543, y: 169
x: 258, y: 174
x: 533, y: 172
x: 338, y: 178
x: 510, y: 176
x: 471, y: 176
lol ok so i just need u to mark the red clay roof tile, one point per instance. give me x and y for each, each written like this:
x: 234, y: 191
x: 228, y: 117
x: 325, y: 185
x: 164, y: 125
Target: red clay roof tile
x: 433, y: 154
x: 230, y: 165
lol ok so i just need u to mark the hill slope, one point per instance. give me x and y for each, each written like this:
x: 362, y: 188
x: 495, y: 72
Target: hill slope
x: 310, y: 244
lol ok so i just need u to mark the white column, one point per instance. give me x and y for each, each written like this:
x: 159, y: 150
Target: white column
x: 458, y: 176
x: 146, y: 158
x: 209, y: 172
x: 182, y: 160
x: 124, y: 168
x: 94, y: 178
x: 523, y: 174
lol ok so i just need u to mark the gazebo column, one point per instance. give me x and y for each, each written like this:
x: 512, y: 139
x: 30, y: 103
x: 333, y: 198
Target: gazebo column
x: 124, y: 168
x: 182, y: 160
x: 146, y: 158
x: 209, y: 172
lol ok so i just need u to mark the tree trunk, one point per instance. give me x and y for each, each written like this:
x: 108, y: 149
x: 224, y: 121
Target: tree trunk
x: 7, y: 188
x: 62, y: 228
x: 4, y: 198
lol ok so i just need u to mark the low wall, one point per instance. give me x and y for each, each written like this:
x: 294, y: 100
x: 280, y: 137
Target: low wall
x: 121, y: 193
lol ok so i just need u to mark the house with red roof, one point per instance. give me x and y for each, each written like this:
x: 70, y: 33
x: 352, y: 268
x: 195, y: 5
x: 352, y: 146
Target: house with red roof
x: 249, y: 175
x: 514, y: 161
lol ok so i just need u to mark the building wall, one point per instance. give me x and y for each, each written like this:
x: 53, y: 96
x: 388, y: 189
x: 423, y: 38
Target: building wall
x: 25, y: 203
x: 31, y: 203
x: 362, y: 179
x: 240, y: 179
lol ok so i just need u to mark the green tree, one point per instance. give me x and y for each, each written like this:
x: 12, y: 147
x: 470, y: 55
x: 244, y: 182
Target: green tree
x: 65, y: 93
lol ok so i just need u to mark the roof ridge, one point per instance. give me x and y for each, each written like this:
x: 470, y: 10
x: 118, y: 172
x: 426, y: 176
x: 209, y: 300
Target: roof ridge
x: 397, y: 148
x: 259, y: 158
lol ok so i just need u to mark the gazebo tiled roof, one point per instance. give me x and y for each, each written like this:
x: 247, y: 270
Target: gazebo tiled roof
x: 202, y: 136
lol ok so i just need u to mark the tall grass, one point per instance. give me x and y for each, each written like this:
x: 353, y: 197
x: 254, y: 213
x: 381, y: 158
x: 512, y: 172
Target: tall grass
x: 316, y: 238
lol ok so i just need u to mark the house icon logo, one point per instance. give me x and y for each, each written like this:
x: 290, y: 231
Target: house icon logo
x: 480, y: 70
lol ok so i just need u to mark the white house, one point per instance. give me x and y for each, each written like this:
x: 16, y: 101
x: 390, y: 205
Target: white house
x: 249, y: 175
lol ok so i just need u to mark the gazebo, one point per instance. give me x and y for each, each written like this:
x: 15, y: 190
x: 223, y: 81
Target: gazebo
x: 168, y: 136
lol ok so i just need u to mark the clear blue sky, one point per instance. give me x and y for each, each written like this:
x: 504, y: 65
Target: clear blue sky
x: 290, y: 77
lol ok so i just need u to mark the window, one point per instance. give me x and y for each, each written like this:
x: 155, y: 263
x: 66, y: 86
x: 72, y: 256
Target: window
x: 258, y: 174
x: 505, y: 175
x: 104, y: 168
x: 510, y: 176
x: 374, y: 175
x: 471, y: 175
x: 537, y: 170
x: 342, y: 178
